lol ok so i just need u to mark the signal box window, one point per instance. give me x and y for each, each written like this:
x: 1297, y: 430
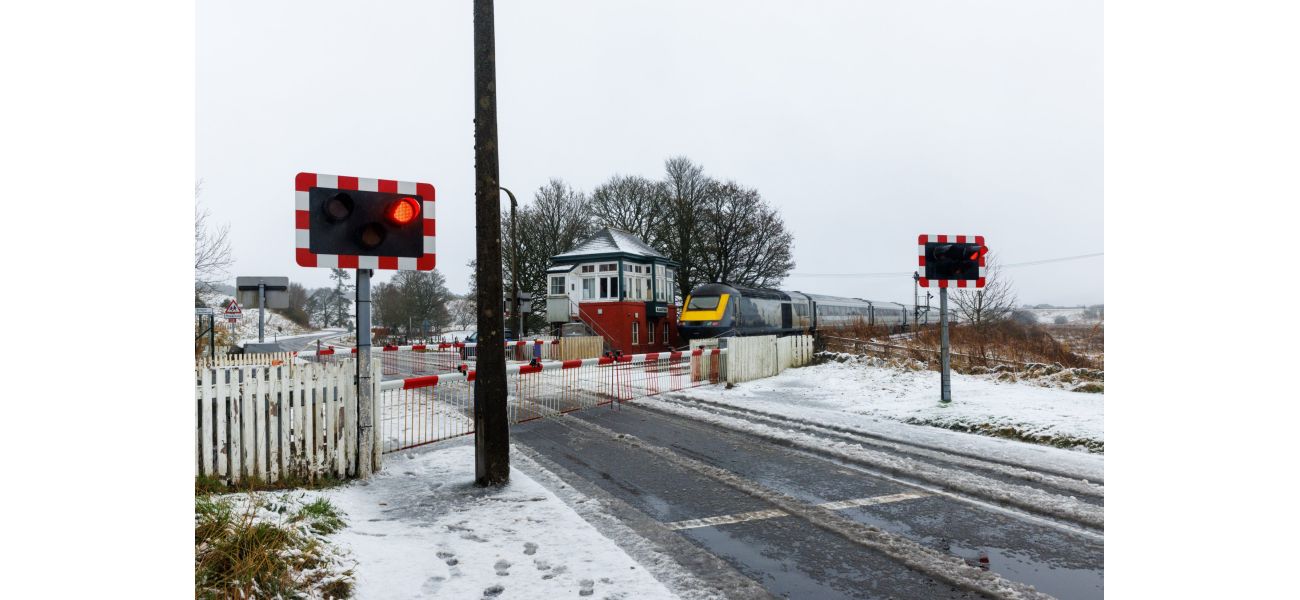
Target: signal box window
x: 636, y: 333
x: 557, y: 286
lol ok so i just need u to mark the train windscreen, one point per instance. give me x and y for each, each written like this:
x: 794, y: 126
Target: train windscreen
x: 703, y: 303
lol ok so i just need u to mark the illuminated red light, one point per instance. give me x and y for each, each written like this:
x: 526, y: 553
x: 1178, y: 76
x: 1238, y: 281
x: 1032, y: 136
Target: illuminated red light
x: 403, y: 211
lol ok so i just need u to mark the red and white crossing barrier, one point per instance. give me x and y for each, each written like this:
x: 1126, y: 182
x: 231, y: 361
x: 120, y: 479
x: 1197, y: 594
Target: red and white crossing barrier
x: 425, y: 409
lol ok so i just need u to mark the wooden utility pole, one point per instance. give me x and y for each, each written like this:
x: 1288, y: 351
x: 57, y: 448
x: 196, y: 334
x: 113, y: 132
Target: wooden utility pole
x: 491, y: 430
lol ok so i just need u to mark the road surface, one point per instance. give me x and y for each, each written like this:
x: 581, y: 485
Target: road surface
x: 761, y: 519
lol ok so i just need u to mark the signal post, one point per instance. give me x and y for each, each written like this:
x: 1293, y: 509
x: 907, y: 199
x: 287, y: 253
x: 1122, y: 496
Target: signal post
x: 950, y: 261
x: 363, y: 224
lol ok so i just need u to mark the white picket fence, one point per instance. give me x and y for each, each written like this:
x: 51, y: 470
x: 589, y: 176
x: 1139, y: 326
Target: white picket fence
x: 755, y: 357
x: 239, y: 360
x: 284, y: 421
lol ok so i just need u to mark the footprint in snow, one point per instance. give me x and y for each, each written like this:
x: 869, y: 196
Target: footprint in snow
x: 530, y: 548
x: 586, y: 587
x: 448, y: 557
x: 493, y: 591
x: 502, y: 567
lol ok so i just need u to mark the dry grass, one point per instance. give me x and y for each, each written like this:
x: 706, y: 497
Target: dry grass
x: 979, y: 348
x: 261, y: 546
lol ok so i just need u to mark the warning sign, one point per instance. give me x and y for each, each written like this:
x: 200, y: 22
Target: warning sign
x: 233, y: 311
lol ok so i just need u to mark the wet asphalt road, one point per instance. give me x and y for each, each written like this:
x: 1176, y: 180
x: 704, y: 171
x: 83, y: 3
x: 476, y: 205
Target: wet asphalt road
x: 786, y: 555
x: 308, y: 343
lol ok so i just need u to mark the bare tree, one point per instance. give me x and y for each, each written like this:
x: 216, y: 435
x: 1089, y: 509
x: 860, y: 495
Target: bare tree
x: 556, y: 220
x: 687, y: 187
x: 996, y: 301
x: 462, y: 311
x: 634, y: 204
x: 211, y: 248
x: 741, y: 240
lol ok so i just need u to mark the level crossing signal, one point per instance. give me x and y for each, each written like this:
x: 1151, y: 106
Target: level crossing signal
x: 952, y: 260
x: 360, y: 223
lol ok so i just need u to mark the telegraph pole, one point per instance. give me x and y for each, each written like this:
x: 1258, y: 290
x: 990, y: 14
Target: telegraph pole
x: 491, y: 431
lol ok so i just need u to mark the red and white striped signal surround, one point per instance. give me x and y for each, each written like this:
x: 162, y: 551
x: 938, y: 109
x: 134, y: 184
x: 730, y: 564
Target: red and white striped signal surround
x: 304, y: 182
x: 923, y: 239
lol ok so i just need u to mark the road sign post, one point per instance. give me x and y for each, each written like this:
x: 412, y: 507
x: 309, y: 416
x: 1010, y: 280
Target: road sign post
x: 949, y: 261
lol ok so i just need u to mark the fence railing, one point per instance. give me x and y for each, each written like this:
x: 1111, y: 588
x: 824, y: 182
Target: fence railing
x: 271, y: 422
x: 423, y: 359
x: 239, y: 360
x: 422, y: 410
x: 755, y: 357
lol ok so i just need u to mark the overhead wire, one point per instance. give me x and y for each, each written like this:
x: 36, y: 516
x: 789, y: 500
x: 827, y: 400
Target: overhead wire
x: 909, y: 273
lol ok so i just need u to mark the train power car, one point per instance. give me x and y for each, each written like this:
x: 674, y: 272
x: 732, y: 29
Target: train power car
x: 719, y: 310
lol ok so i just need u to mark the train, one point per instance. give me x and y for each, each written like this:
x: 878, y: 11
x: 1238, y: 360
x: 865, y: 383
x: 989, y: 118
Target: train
x: 714, y: 310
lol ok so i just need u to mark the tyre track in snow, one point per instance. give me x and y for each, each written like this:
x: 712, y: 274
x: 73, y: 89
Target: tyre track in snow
x: 1047, y: 479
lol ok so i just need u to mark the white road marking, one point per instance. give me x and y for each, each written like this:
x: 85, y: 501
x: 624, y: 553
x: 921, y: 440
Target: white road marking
x: 772, y: 514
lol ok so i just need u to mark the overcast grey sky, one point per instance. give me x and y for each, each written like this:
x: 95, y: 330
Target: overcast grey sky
x: 865, y: 123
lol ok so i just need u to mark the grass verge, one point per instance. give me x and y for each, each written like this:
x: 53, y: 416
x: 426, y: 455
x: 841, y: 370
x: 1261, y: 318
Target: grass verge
x: 260, y: 545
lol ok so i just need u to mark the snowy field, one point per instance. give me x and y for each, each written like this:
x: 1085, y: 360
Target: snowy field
x: 1072, y: 316
x: 421, y: 529
x: 860, y: 394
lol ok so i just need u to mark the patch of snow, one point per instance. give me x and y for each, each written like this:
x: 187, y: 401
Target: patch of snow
x: 882, y: 401
x: 422, y: 529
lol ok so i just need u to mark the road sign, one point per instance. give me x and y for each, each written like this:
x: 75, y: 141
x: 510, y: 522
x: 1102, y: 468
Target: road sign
x: 360, y: 223
x: 951, y: 260
x: 277, y: 291
x: 233, y: 311
x: 204, y: 310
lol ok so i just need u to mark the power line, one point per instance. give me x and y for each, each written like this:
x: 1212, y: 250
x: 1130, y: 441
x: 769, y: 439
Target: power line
x: 909, y: 273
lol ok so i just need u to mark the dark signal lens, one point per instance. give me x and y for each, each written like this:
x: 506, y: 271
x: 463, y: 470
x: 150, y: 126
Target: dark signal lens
x: 371, y: 235
x: 338, y: 207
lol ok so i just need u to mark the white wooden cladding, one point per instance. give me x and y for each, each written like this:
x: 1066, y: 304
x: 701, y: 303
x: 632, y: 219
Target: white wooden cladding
x: 271, y: 422
x: 755, y: 357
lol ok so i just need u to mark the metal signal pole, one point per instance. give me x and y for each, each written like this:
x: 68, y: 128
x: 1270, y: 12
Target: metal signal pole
x: 491, y: 431
x: 945, y: 381
x: 365, y: 399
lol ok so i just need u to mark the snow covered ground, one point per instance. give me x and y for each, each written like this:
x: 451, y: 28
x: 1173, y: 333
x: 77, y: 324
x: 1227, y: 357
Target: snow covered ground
x: 421, y: 529
x: 1071, y: 316
x: 857, y: 393
x: 245, y: 329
